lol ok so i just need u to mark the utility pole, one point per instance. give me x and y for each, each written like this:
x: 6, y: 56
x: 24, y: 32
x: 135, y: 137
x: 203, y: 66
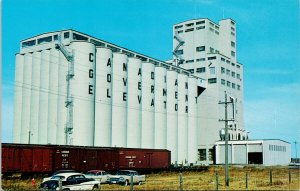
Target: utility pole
x: 69, y: 100
x: 226, y: 137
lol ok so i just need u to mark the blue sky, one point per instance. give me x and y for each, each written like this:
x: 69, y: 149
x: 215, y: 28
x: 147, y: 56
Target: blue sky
x: 267, y: 46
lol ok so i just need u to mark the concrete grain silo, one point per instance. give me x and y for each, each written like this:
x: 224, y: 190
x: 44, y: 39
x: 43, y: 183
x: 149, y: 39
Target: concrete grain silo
x: 53, y: 96
x: 119, y: 100
x: 182, y: 118
x: 63, y: 65
x: 192, y: 120
x: 26, y: 98
x: 103, y: 97
x: 172, y: 114
x: 44, y: 97
x: 160, y: 111
x: 18, y: 98
x: 34, y: 102
x: 83, y: 93
x: 147, y: 110
x: 134, y: 90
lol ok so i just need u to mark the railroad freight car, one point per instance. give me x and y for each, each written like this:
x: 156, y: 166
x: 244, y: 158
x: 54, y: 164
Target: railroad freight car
x: 45, y: 159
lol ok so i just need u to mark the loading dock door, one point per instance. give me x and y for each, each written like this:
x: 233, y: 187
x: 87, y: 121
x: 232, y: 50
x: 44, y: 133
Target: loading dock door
x: 255, y: 158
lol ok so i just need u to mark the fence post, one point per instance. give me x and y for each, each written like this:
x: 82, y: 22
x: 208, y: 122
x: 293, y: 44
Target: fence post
x: 246, y: 180
x: 181, y: 181
x: 217, y: 181
x: 271, y: 176
x: 290, y: 177
x: 131, y: 182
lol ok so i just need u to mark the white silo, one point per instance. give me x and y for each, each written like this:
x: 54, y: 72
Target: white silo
x: 83, y: 93
x: 35, y: 92
x: 26, y: 95
x: 192, y: 120
x: 53, y: 91
x: 182, y: 118
x: 61, y: 99
x: 103, y: 97
x: 18, y: 98
x: 119, y: 100
x: 147, y: 117
x: 172, y: 108
x: 160, y: 118
x: 43, y: 99
x: 134, y: 103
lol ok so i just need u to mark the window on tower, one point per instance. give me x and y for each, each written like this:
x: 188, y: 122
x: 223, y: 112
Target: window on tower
x: 200, y: 22
x: 232, y: 44
x: 178, y: 26
x: 189, y: 30
x: 212, y: 70
x: 222, y: 70
x: 212, y: 80
x: 179, y: 51
x: 200, y: 48
x: 200, y: 27
x: 189, y: 24
x: 66, y: 35
x: 222, y: 81
x: 211, y: 58
x: 45, y: 40
x: 232, y: 53
x: 200, y: 70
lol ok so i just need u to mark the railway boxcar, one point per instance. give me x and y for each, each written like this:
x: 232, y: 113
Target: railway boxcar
x: 46, y: 159
x: 26, y: 159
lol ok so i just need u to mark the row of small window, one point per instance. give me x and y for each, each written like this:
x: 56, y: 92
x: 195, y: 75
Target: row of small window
x: 202, y: 48
x: 52, y: 38
x: 190, y: 24
x: 233, y: 74
x: 228, y: 62
x: 198, y: 70
x: 229, y: 84
x: 191, y: 29
x: 277, y: 148
x: 200, y: 59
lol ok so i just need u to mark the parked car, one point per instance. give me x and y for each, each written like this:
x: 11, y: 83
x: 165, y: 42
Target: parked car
x: 99, y: 175
x: 70, y: 181
x: 123, y: 177
x: 58, y: 172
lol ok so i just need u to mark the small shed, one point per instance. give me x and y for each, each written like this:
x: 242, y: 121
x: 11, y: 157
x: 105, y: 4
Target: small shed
x: 268, y: 152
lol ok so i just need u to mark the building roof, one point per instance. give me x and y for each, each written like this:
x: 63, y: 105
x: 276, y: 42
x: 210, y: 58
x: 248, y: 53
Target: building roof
x: 251, y: 141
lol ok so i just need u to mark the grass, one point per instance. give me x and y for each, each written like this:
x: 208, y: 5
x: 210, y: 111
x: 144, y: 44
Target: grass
x: 258, y: 179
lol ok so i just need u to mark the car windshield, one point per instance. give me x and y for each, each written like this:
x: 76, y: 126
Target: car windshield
x: 123, y: 173
x: 56, y: 177
x: 91, y: 173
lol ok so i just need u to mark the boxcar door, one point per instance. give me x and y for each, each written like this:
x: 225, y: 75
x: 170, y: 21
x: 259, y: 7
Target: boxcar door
x: 26, y: 160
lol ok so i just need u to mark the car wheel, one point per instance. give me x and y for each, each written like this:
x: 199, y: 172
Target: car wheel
x: 126, y: 183
x: 140, y: 182
x: 66, y: 189
x: 95, y: 187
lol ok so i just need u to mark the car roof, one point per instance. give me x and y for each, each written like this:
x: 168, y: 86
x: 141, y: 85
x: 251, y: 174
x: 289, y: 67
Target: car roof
x: 63, y: 171
x: 95, y: 171
x: 67, y: 174
x: 127, y: 170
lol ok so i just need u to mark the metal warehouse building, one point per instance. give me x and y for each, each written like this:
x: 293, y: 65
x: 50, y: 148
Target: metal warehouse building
x: 267, y: 152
